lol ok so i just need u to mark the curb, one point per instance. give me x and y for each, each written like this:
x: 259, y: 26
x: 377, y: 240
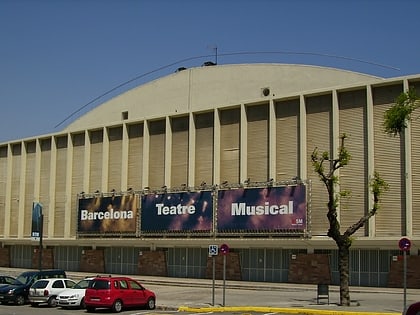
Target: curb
x: 262, y: 309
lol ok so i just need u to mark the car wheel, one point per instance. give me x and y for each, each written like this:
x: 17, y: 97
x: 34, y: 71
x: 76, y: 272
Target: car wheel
x: 82, y: 303
x: 151, y: 304
x: 20, y: 300
x: 90, y: 309
x: 52, y: 301
x: 117, y: 306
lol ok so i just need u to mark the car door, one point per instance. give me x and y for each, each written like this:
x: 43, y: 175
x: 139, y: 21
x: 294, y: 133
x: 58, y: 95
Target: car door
x: 124, y: 292
x: 137, y: 293
x: 56, y: 287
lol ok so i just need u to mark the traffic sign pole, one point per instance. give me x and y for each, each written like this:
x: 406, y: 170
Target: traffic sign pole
x: 224, y: 280
x: 213, y: 252
x: 214, y: 277
x: 405, y: 244
x: 224, y: 249
x: 405, y: 281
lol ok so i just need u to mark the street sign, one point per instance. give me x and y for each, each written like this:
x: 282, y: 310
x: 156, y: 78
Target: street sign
x: 213, y: 250
x: 224, y: 249
x: 404, y: 244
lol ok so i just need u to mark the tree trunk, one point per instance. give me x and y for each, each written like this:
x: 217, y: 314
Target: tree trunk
x: 343, y: 266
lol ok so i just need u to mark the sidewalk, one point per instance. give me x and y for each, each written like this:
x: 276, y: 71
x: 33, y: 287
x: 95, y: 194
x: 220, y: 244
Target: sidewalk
x: 197, y: 295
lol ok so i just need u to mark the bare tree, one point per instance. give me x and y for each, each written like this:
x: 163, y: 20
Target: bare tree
x: 343, y: 237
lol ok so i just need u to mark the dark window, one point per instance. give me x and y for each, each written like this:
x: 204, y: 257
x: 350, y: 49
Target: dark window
x: 100, y: 284
x: 58, y: 284
x: 40, y: 284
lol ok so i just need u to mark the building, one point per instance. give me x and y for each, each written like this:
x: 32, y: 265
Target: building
x: 212, y: 129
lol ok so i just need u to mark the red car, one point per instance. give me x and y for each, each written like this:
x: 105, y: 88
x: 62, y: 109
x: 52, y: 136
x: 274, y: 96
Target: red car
x: 117, y: 293
x: 413, y: 309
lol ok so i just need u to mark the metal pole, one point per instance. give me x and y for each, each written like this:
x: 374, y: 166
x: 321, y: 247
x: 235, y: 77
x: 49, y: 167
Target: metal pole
x: 214, y: 277
x: 405, y: 281
x: 224, y: 280
x: 41, y: 219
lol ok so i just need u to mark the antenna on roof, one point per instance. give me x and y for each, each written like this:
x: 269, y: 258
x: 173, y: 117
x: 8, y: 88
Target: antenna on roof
x: 214, y: 48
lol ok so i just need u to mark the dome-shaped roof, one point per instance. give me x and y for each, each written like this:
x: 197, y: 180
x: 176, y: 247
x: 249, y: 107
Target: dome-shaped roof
x: 207, y: 87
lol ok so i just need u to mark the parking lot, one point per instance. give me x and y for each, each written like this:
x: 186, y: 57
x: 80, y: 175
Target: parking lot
x: 191, y: 295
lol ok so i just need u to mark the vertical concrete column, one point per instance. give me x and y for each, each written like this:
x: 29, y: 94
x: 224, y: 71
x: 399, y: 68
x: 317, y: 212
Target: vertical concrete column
x: 303, y: 165
x: 86, y: 166
x: 371, y: 152
x: 146, y: 153
x: 168, y: 151
x: 8, y: 197
x: 105, y: 160
x: 191, y: 151
x: 272, y: 140
x: 37, y: 175
x: 124, y: 158
x: 67, y: 202
x: 53, y: 175
x: 243, y: 145
x: 408, y: 175
x: 216, y: 140
x: 22, y: 199
x: 335, y: 116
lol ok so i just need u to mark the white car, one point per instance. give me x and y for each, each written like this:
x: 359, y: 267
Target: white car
x: 74, y: 297
x: 46, y: 290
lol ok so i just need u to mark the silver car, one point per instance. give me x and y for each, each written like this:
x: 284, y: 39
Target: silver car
x: 74, y: 297
x: 46, y: 290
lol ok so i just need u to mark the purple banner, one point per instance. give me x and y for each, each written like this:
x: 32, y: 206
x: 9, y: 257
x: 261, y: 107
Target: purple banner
x: 262, y: 209
x: 113, y: 214
x: 176, y: 212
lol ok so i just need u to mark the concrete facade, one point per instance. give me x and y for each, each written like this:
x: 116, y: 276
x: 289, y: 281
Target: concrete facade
x: 229, y: 123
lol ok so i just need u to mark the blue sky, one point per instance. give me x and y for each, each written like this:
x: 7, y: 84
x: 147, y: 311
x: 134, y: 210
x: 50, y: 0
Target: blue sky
x: 57, y: 56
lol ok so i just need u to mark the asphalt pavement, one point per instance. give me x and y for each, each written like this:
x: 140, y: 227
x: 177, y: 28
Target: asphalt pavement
x: 206, y: 295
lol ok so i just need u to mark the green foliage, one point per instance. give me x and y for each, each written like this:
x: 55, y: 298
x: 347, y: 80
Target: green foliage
x: 378, y: 185
x: 396, y: 118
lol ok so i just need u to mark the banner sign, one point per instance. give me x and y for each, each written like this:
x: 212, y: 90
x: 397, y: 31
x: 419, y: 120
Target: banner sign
x: 36, y: 232
x: 262, y: 209
x: 177, y: 212
x: 112, y: 214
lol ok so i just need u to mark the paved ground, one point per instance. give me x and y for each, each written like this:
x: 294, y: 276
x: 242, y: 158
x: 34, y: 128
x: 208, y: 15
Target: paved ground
x: 197, y: 295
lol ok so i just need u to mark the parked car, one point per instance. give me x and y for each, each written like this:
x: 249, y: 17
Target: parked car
x: 6, y: 280
x: 413, y: 309
x: 117, y: 293
x: 46, y: 290
x: 74, y: 297
x: 18, y: 291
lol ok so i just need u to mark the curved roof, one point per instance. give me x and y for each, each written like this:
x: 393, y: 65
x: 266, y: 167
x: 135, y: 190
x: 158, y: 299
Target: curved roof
x: 204, y: 88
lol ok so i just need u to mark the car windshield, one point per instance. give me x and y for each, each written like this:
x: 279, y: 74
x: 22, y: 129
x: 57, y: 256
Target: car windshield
x: 24, y: 279
x: 82, y: 284
x: 41, y: 284
x: 99, y: 284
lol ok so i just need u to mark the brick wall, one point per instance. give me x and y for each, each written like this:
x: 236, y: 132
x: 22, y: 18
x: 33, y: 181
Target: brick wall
x: 47, y: 258
x: 396, y: 273
x: 310, y: 269
x: 92, y: 260
x: 152, y: 263
x: 4, y: 257
x: 233, y: 267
